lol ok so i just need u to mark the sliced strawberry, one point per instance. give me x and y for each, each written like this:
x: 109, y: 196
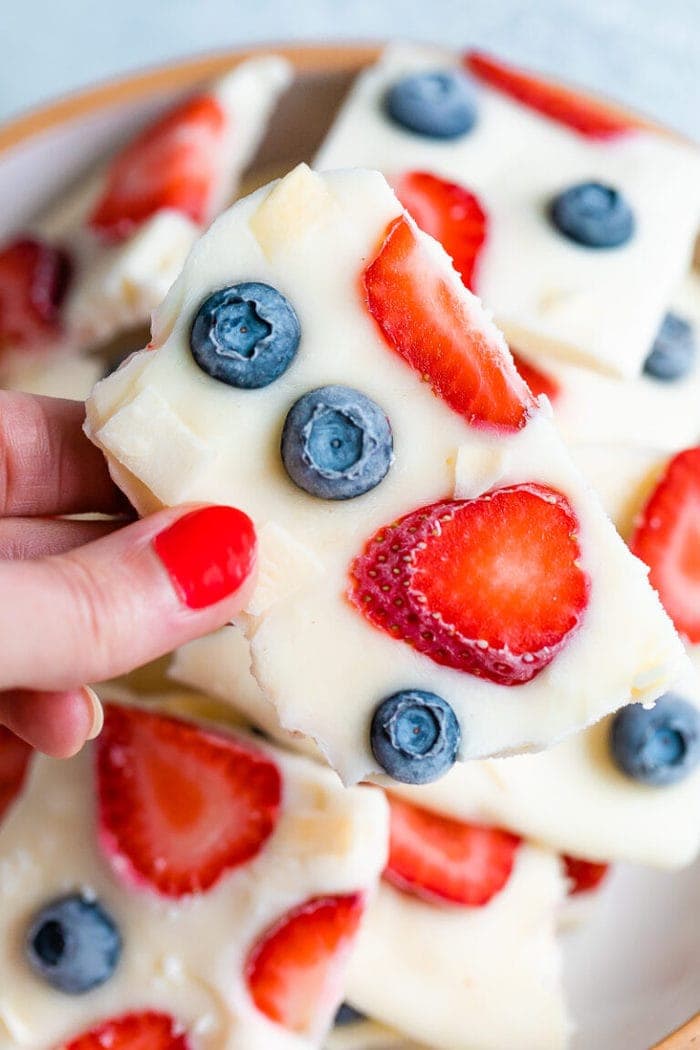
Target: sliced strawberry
x: 34, y: 279
x: 137, y: 1031
x: 14, y: 762
x: 179, y: 805
x: 450, y: 214
x: 174, y: 163
x: 588, y: 117
x: 444, y: 860
x: 491, y: 586
x: 583, y: 875
x: 539, y: 382
x: 426, y: 320
x: 667, y: 538
x: 295, y: 971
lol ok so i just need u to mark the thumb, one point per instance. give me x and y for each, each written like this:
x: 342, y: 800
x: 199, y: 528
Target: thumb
x: 105, y: 608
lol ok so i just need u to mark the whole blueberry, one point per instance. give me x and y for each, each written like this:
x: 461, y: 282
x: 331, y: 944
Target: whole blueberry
x: 73, y: 944
x: 245, y: 335
x: 594, y: 215
x: 658, y: 746
x: 347, y: 1014
x: 673, y: 354
x: 438, y: 103
x: 415, y: 736
x: 336, y: 443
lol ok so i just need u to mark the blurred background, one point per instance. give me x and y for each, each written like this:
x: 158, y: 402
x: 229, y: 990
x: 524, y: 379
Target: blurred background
x: 644, y: 52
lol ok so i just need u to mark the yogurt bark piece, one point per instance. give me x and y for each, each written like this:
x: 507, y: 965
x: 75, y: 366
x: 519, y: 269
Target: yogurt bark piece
x: 584, y: 295
x: 103, y: 258
x: 456, y: 961
x: 413, y: 390
x: 647, y: 410
x: 209, y: 885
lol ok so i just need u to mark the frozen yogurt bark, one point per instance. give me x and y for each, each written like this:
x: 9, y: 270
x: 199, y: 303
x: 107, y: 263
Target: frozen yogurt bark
x: 572, y: 221
x: 657, y: 409
x: 178, y: 885
x: 72, y: 377
x: 436, y: 580
x: 103, y: 258
x: 459, y: 949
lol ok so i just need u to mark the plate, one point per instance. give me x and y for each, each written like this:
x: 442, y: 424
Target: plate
x: 632, y: 970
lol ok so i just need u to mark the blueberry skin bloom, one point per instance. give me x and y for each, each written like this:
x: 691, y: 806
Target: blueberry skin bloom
x: 660, y: 746
x: 593, y: 215
x: 245, y: 335
x: 73, y: 944
x: 438, y: 104
x: 673, y: 354
x: 415, y: 736
x: 336, y: 443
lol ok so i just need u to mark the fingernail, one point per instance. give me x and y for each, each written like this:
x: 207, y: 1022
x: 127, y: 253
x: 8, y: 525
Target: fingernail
x: 98, y: 715
x: 208, y: 554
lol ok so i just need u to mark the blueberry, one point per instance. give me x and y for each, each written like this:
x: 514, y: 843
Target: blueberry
x: 74, y: 944
x: 347, y: 1015
x: 245, y: 335
x: 336, y: 443
x: 659, y: 746
x: 594, y: 215
x: 415, y: 736
x: 673, y: 354
x: 438, y: 104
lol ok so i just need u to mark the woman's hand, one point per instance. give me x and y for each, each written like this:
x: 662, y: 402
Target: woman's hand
x: 82, y: 601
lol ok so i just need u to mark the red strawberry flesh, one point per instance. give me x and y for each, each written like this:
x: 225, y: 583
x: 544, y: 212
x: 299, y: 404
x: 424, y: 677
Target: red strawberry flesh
x: 583, y: 875
x: 135, y: 1031
x: 34, y: 279
x: 174, y: 163
x: 538, y: 381
x: 564, y: 105
x: 180, y: 805
x: 431, y: 324
x: 667, y: 538
x: 295, y: 971
x: 491, y: 586
x: 14, y: 763
x: 451, y: 214
x: 446, y: 861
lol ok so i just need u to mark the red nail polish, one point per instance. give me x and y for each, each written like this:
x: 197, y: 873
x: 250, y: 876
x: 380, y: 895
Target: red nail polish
x: 208, y: 553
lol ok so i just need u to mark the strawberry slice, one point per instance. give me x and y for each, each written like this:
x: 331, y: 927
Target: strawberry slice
x: 34, y: 279
x: 14, y: 763
x: 539, y: 382
x: 450, y: 214
x: 138, y: 1031
x: 174, y: 163
x: 583, y: 875
x: 667, y: 538
x: 426, y: 320
x: 179, y: 805
x: 588, y: 117
x: 295, y: 971
x: 446, y: 861
x: 491, y: 586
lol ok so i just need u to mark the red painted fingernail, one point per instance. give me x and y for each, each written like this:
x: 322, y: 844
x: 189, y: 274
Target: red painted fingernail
x: 208, y: 553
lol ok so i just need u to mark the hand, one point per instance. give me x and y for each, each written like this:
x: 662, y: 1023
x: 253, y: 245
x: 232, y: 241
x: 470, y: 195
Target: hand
x: 85, y: 600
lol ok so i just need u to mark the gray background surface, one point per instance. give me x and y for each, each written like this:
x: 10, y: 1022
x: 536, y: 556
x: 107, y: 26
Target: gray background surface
x: 643, y: 52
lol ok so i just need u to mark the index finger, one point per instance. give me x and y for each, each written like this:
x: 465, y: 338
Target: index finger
x: 47, y: 465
